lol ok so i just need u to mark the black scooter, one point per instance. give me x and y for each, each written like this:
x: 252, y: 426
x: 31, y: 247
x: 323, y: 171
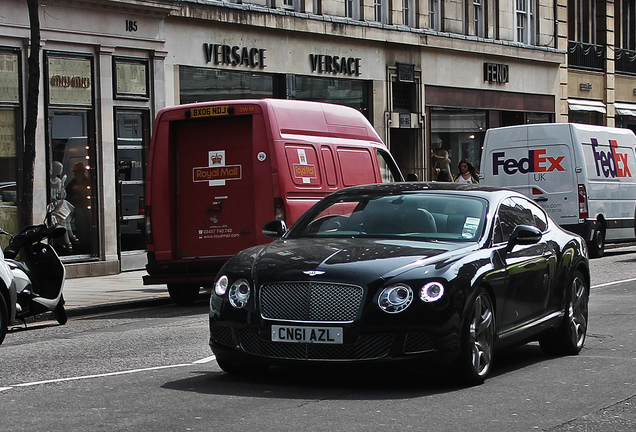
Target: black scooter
x: 39, y: 277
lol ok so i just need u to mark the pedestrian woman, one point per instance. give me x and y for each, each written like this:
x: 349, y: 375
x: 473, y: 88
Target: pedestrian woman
x: 467, y: 172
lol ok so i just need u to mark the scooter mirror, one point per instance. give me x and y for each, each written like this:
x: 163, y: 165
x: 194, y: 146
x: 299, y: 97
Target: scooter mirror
x: 55, y: 231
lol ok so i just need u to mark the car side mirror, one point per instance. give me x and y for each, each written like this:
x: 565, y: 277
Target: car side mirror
x: 523, y: 235
x: 412, y: 177
x: 275, y: 229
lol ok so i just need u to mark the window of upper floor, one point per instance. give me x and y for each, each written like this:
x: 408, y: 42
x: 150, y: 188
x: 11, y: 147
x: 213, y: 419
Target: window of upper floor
x: 582, y: 21
x: 352, y: 9
x: 409, y: 13
x: 381, y: 11
x: 525, y: 21
x: 435, y: 14
x: 479, y: 17
x: 625, y: 21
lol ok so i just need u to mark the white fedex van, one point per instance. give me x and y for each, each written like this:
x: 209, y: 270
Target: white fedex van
x: 583, y: 176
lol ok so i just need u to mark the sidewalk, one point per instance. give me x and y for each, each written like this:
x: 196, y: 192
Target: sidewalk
x: 102, y: 293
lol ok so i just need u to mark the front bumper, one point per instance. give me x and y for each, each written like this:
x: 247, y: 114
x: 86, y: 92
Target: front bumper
x: 248, y: 345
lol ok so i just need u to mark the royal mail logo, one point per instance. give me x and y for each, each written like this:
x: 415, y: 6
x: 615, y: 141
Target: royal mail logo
x: 610, y: 163
x: 216, y: 158
x: 301, y: 170
x: 537, y: 161
x: 229, y: 172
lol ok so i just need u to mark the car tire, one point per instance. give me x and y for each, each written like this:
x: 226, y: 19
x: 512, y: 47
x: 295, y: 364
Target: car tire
x: 597, y: 245
x: 569, y: 338
x: 4, y: 318
x: 183, y: 294
x: 241, y: 368
x: 59, y: 313
x: 477, y: 340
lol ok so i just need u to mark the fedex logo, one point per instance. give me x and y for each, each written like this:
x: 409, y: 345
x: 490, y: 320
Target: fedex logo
x: 536, y: 161
x: 611, y: 163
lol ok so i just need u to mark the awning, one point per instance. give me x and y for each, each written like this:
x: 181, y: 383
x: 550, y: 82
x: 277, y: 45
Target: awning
x: 586, y: 105
x: 625, y: 109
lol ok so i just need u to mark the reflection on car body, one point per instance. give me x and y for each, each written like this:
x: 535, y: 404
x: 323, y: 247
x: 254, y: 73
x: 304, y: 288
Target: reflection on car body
x: 407, y: 271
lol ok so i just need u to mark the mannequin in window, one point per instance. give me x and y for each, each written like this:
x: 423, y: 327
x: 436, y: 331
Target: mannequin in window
x: 62, y: 213
x: 78, y: 193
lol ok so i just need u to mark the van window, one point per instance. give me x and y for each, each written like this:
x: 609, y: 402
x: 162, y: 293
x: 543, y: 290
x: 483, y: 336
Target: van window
x: 356, y: 166
x: 387, y: 167
x: 303, y: 165
x: 330, y: 166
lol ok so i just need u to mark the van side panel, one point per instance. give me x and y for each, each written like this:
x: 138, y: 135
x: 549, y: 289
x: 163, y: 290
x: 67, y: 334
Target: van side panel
x: 303, y: 165
x: 357, y: 166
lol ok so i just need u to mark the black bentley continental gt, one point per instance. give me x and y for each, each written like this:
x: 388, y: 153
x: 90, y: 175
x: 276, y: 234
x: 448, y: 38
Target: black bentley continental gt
x: 404, y: 271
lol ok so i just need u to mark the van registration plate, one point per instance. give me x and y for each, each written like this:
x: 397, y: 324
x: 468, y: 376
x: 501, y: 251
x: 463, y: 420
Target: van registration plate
x: 298, y: 334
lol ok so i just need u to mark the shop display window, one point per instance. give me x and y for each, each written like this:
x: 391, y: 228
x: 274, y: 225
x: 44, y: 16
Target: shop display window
x: 456, y: 134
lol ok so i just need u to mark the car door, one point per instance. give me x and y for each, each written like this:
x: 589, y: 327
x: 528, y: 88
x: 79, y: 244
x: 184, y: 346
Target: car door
x: 526, y: 266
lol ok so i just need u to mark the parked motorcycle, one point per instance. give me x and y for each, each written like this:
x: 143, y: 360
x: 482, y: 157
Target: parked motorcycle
x: 33, y: 285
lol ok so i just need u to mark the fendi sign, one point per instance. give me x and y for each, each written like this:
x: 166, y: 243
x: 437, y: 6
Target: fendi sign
x: 496, y: 72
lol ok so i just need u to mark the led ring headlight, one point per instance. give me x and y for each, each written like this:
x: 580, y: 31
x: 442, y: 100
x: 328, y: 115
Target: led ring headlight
x: 431, y: 292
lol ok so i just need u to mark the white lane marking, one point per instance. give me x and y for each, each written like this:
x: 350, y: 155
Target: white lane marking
x: 613, y: 283
x: 205, y: 360
x: 108, y: 374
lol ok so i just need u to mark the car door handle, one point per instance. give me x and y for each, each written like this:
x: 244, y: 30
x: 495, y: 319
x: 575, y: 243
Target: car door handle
x: 541, y: 199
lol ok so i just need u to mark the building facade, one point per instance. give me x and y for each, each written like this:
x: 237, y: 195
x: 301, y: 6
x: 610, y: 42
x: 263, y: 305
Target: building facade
x: 431, y: 76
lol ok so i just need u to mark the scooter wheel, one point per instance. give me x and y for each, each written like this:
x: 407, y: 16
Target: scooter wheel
x: 60, y: 313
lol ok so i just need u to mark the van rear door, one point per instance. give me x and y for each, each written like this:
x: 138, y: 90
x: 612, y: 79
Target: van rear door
x: 215, y: 191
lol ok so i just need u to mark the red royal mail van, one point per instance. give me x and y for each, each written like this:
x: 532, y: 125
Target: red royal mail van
x: 218, y: 171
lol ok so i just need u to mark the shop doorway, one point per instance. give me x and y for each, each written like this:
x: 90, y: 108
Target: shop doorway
x: 131, y: 128
x: 405, y: 148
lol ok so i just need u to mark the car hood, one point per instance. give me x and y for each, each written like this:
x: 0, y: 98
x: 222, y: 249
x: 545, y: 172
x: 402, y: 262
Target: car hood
x: 359, y: 261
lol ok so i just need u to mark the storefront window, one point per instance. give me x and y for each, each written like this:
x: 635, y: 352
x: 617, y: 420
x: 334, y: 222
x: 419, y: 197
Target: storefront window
x: 199, y: 85
x: 73, y: 183
x: 9, y: 138
x: 9, y: 220
x: 352, y: 93
x: 456, y: 134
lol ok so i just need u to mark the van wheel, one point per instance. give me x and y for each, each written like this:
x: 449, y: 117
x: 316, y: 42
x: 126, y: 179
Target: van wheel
x: 183, y: 294
x: 597, y: 245
x: 4, y: 318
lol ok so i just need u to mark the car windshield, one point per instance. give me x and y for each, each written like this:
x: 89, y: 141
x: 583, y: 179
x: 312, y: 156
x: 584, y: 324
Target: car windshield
x: 418, y: 216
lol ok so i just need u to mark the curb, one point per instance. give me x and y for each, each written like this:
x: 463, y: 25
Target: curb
x: 78, y: 311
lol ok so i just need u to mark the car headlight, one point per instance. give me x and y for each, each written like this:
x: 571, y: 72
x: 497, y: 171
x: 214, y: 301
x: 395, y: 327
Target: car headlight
x: 239, y: 293
x: 395, y: 298
x: 220, y: 287
x: 431, y: 292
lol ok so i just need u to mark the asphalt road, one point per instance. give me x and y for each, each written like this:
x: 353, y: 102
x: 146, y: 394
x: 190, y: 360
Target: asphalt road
x: 150, y: 369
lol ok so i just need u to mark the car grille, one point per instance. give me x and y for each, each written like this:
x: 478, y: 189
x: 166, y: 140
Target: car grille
x: 310, y: 302
x: 418, y: 343
x: 365, y: 348
x: 222, y: 335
